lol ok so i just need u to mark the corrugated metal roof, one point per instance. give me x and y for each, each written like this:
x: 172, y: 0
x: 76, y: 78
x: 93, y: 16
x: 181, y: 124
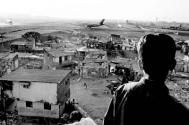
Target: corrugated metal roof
x: 34, y: 75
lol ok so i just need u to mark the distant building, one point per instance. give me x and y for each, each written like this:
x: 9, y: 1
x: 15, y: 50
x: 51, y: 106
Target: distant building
x: 8, y: 63
x: 125, y: 62
x: 25, y: 46
x: 116, y: 39
x: 30, y: 61
x: 6, y: 43
x: 38, y: 93
x: 128, y: 44
x: 56, y: 58
x: 95, y: 65
x: 20, y: 46
x: 83, y: 51
x: 185, y: 48
x: 95, y: 44
x: 182, y: 65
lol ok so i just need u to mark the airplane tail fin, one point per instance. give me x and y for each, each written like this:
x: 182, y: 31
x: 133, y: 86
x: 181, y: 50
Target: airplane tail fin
x: 102, y: 22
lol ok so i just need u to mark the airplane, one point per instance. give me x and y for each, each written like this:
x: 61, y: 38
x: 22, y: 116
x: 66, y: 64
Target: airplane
x: 90, y: 26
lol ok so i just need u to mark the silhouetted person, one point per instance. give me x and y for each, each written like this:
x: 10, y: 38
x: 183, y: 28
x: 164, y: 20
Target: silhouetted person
x: 85, y: 85
x: 148, y: 102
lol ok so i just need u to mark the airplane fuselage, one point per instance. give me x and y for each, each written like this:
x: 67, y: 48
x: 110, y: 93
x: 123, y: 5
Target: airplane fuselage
x: 93, y: 25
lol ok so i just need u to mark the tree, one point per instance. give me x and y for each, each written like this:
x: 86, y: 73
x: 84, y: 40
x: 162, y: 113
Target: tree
x: 49, y: 37
x: 32, y: 35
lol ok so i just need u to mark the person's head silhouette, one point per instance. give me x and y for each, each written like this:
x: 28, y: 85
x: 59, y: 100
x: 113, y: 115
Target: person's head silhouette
x: 156, y: 55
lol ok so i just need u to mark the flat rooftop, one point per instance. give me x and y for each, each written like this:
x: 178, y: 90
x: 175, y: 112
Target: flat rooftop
x: 22, y: 43
x: 85, y: 49
x: 34, y: 75
x: 3, y: 55
x: 60, y: 52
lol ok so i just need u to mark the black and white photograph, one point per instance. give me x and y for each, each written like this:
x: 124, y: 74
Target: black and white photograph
x: 94, y: 62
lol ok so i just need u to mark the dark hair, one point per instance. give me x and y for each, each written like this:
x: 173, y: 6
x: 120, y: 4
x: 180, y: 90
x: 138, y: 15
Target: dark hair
x: 75, y: 116
x: 157, y: 53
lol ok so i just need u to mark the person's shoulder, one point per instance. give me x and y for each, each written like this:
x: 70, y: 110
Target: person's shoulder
x: 132, y: 85
x: 178, y: 107
x: 176, y: 110
x: 126, y: 88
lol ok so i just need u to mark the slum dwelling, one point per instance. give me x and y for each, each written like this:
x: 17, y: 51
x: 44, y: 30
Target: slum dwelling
x: 36, y: 93
x: 95, y: 64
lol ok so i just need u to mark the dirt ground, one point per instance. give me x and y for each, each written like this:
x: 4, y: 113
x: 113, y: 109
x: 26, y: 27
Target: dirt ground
x: 179, y: 88
x: 94, y: 99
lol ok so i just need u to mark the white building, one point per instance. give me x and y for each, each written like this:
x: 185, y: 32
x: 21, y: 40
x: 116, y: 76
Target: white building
x: 40, y: 93
x: 58, y: 57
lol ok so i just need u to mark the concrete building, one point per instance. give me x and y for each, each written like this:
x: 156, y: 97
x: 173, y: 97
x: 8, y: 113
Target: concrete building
x: 6, y: 43
x: 95, y: 65
x: 95, y: 44
x: 30, y: 61
x: 39, y: 93
x: 129, y: 44
x: 8, y: 63
x: 182, y: 65
x: 25, y: 46
x: 116, y: 39
x: 81, y: 52
x: 55, y: 58
x: 94, y: 69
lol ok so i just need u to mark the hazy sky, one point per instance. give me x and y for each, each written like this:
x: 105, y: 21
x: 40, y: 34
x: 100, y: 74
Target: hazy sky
x: 168, y: 10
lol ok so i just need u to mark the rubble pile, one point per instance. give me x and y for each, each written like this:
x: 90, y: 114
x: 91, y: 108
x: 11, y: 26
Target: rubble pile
x: 180, y: 90
x: 10, y: 118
